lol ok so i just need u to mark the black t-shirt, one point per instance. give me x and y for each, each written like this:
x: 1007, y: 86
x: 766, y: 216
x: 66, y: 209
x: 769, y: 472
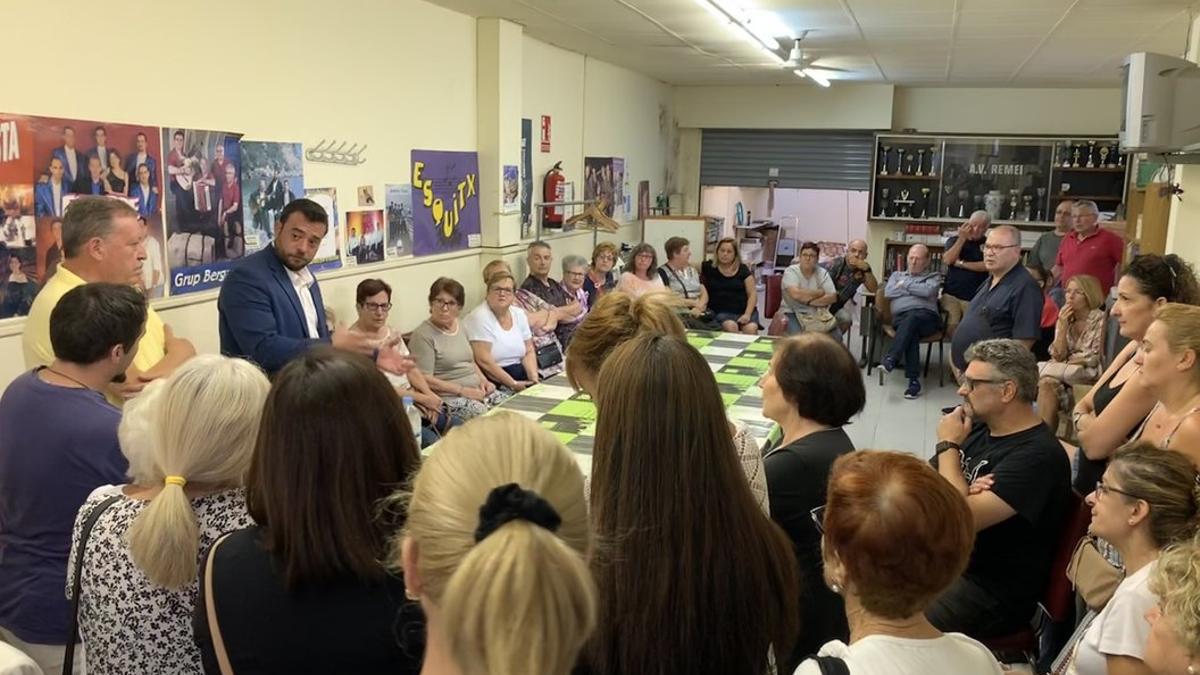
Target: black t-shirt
x: 726, y: 295
x: 962, y: 283
x: 797, y: 476
x: 551, y: 291
x: 1010, y: 309
x: 345, y: 626
x: 1012, y: 558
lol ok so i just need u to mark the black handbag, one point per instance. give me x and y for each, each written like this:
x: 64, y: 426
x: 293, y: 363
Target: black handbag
x: 77, y: 582
x: 707, y: 319
x: 548, y: 355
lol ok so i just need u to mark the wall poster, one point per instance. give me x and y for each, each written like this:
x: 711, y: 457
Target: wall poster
x: 329, y: 255
x: 399, y: 211
x: 364, y: 237
x: 272, y: 175
x: 202, y: 206
x: 445, y: 201
x: 526, y: 178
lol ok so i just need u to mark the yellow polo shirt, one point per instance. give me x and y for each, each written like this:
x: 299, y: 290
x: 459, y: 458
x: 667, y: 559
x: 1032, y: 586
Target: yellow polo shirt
x: 35, y: 341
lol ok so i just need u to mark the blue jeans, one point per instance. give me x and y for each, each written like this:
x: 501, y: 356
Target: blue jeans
x: 432, y: 432
x: 911, y: 326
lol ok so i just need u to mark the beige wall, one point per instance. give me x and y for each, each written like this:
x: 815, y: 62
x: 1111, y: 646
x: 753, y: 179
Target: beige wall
x: 309, y: 80
x: 1007, y: 111
x: 1183, y: 230
x: 798, y: 106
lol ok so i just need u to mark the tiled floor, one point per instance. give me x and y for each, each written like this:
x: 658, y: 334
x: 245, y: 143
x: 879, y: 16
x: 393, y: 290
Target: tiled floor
x: 891, y: 422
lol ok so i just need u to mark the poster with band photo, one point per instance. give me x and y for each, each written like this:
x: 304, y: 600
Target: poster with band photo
x: 272, y: 175
x: 329, y: 255
x: 202, y: 199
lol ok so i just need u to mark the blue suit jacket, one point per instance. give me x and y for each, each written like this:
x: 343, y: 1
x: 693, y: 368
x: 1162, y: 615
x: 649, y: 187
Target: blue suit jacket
x: 260, y: 314
x: 131, y: 169
x: 80, y: 160
x: 147, y: 204
x: 44, y: 199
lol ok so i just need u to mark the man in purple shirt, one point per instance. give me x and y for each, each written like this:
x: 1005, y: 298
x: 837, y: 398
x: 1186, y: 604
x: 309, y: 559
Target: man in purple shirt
x: 58, y: 442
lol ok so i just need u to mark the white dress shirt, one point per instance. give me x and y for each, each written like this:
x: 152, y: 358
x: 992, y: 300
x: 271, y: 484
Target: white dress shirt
x: 302, y: 281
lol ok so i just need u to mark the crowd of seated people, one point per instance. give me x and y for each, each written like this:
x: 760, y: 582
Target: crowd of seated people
x: 236, y: 517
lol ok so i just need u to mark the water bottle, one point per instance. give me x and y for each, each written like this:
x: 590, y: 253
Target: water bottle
x: 414, y: 419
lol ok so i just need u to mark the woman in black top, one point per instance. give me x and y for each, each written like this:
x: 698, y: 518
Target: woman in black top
x: 1115, y: 407
x: 812, y: 388
x: 305, y: 591
x: 731, y: 293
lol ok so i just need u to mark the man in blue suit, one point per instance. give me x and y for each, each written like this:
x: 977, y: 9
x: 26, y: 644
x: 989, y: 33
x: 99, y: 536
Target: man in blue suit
x: 141, y: 155
x: 74, y: 161
x: 48, y: 194
x: 270, y: 304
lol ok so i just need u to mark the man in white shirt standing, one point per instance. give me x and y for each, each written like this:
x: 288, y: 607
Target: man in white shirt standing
x: 270, y: 304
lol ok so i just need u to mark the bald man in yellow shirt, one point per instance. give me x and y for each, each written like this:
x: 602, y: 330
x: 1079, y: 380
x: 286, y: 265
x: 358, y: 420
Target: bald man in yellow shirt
x: 103, y: 242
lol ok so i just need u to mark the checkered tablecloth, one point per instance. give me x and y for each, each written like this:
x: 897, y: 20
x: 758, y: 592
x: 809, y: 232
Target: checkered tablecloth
x: 737, y: 361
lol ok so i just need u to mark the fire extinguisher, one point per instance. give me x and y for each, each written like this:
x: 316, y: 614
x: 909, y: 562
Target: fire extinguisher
x: 552, y: 216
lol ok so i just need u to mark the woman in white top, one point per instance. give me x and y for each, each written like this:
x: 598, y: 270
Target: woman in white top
x: 642, y: 276
x: 807, y: 290
x: 887, y: 580
x: 139, y: 585
x: 500, y: 336
x: 1147, y: 500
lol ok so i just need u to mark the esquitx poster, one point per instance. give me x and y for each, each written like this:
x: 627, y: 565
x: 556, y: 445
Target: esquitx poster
x: 272, y: 175
x: 329, y: 254
x: 202, y: 199
x: 399, y: 211
x: 445, y: 201
x: 364, y: 237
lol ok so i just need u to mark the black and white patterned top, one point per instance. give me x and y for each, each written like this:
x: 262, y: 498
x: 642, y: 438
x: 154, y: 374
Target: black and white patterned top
x: 129, y: 624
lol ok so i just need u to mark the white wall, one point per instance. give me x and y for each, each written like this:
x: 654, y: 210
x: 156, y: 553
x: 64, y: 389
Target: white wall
x: 817, y: 215
x: 413, y: 86
x: 1183, y: 228
x: 798, y: 106
x: 1007, y: 111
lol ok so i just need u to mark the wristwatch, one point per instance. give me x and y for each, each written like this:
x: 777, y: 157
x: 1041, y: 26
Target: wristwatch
x: 943, y: 446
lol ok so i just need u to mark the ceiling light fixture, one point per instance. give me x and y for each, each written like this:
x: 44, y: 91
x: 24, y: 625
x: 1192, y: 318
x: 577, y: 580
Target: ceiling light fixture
x: 757, y: 32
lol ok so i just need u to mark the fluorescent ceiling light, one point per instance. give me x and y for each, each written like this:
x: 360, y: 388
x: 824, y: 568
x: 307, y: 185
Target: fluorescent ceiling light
x: 756, y: 27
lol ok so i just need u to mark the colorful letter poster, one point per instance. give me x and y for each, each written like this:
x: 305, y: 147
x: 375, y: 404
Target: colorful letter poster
x: 399, y: 219
x: 329, y: 255
x: 445, y: 201
x: 203, y: 207
x: 272, y: 175
x: 18, y: 263
x: 364, y: 237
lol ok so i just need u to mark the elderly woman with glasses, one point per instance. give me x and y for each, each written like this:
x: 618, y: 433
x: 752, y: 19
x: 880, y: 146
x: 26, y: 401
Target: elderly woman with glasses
x: 443, y: 355
x: 501, y: 337
x: 374, y: 303
x: 574, y: 272
x: 1147, y: 500
x: 600, y: 278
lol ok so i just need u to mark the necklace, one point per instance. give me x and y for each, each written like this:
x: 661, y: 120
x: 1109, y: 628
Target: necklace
x: 64, y: 375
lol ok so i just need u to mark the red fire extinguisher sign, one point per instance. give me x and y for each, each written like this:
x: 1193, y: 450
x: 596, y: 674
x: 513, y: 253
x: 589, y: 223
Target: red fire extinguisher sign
x: 545, y: 133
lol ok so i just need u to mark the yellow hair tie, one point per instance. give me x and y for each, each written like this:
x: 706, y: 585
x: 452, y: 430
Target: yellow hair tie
x: 175, y: 480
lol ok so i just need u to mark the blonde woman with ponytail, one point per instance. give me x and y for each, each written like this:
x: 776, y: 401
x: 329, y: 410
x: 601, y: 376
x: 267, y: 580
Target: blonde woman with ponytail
x: 1146, y: 501
x: 189, y: 448
x: 494, y: 550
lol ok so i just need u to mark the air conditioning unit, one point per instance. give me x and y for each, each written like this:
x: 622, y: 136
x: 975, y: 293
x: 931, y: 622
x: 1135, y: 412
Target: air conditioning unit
x: 1161, y: 107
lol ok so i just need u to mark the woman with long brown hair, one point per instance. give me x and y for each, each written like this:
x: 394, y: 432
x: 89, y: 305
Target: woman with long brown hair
x: 693, y: 578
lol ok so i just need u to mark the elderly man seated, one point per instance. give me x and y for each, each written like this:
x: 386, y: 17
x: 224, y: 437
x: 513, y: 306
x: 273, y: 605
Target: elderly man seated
x: 913, y: 295
x: 997, y: 452
x: 568, y: 310
x: 849, y: 272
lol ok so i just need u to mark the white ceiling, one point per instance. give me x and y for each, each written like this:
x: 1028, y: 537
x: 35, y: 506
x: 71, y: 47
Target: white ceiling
x: 906, y: 42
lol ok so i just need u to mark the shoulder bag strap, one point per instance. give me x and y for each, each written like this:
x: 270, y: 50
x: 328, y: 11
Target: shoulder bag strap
x: 77, y: 580
x: 210, y: 608
x: 832, y: 665
x: 680, y: 280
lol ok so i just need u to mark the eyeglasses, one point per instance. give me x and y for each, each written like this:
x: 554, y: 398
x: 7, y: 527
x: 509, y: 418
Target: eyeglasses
x: 818, y: 518
x: 443, y: 304
x: 993, y: 248
x: 504, y: 290
x: 970, y: 382
x: 1102, y: 489
x: 573, y: 274
x: 605, y: 256
x: 377, y: 307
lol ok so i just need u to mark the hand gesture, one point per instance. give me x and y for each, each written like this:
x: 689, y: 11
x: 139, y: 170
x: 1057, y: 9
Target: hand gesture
x: 954, y: 426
